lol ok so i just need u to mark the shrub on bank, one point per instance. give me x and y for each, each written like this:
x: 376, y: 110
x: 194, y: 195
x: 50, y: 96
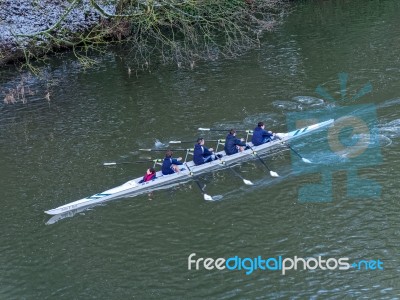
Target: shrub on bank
x: 174, y: 31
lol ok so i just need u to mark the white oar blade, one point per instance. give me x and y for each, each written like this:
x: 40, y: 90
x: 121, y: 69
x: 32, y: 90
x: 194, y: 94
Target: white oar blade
x: 110, y: 164
x: 175, y: 142
x: 217, y: 197
x: 204, y: 129
x: 306, y: 160
x: 248, y: 182
x: 208, y: 197
x: 273, y: 174
x: 145, y: 150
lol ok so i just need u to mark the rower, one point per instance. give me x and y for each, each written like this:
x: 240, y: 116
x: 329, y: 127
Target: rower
x: 170, y: 165
x: 261, y: 136
x: 202, y: 154
x: 232, y: 144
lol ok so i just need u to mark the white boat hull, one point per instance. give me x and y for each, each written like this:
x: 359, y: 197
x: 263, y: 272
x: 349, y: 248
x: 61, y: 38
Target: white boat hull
x: 133, y: 187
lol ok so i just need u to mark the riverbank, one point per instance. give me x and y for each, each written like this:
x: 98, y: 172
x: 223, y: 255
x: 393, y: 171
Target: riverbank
x: 173, y: 31
x: 20, y: 20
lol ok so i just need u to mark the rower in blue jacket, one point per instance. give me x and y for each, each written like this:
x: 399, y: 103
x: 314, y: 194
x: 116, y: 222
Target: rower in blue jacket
x: 202, y: 154
x: 170, y: 165
x: 260, y: 135
x: 232, y: 144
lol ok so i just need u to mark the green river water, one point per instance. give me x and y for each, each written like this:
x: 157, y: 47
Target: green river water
x: 51, y: 153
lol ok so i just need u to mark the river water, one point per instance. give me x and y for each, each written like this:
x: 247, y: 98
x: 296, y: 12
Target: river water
x: 52, y: 153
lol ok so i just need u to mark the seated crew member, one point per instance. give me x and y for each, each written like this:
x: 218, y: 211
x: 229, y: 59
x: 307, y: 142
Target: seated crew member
x: 232, y: 144
x: 260, y: 135
x: 170, y: 165
x: 150, y: 175
x: 202, y: 154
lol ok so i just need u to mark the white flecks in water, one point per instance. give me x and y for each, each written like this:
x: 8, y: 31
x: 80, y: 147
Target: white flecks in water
x: 158, y: 144
x: 389, y: 103
x: 285, y: 105
x: 270, y: 120
x: 391, y: 129
x: 300, y: 103
x: 308, y: 100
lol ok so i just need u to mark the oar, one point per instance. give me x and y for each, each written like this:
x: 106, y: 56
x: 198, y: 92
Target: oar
x: 131, y: 162
x: 206, y: 196
x: 272, y: 173
x: 297, y: 153
x: 184, y: 142
x: 214, y: 129
x: 248, y: 182
x: 302, y: 158
x: 160, y: 150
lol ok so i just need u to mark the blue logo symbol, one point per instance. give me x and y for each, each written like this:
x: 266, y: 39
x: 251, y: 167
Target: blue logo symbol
x: 343, y: 78
x: 350, y: 144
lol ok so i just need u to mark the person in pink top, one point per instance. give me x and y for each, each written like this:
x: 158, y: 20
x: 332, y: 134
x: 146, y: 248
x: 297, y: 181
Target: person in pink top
x: 150, y: 175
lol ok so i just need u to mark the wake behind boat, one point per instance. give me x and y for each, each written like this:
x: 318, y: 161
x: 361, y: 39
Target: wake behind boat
x: 188, y: 171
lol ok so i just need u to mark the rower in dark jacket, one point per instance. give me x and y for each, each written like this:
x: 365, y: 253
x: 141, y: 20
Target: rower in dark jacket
x: 260, y: 135
x: 170, y: 165
x: 202, y: 154
x: 232, y: 144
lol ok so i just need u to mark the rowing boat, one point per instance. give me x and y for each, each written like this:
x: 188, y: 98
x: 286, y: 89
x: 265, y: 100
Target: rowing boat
x: 188, y: 170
